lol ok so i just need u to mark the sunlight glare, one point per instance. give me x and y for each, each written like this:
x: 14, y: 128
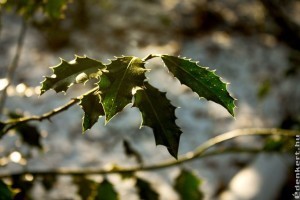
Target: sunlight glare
x: 28, y: 177
x: 29, y: 92
x: 3, y: 83
x: 15, y: 157
x: 3, y: 1
x: 21, y: 88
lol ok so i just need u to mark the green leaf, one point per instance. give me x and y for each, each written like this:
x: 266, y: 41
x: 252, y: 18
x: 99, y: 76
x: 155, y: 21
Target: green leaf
x: 279, y: 144
x: 123, y: 76
x: 201, y: 80
x: 5, y: 192
x: 92, y: 110
x: 187, y: 185
x: 159, y: 114
x: 145, y: 190
x: 106, y: 191
x: 28, y: 8
x: 54, y: 8
x: 86, y: 187
x: 79, y: 70
x: 29, y: 133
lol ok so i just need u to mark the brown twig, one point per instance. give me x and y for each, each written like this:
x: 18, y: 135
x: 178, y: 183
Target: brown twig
x: 200, y: 152
x: 10, y: 124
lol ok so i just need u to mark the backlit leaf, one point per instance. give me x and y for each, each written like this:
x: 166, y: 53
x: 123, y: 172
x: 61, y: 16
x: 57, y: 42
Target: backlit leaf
x: 66, y: 73
x: 159, y: 114
x: 201, y: 80
x: 106, y: 191
x: 124, y: 74
x: 145, y: 190
x: 187, y: 185
x: 124, y: 78
x: 92, y: 110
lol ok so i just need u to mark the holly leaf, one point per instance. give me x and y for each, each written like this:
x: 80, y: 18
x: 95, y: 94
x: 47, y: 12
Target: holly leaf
x: 6, y: 193
x: 92, y: 110
x: 145, y: 190
x: 79, y: 70
x: 187, y: 185
x: 123, y: 76
x: 201, y: 80
x: 86, y: 187
x: 29, y: 133
x: 159, y: 114
x: 106, y: 191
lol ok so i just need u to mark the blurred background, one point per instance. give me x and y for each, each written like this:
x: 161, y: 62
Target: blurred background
x: 253, y: 44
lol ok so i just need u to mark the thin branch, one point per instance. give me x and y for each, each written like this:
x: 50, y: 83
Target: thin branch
x: 10, y: 124
x: 198, y: 153
x: 1, y: 24
x: 14, y: 64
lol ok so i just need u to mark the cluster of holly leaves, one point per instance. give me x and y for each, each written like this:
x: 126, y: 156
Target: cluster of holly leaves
x: 119, y: 83
x: 123, y: 81
x: 28, y: 8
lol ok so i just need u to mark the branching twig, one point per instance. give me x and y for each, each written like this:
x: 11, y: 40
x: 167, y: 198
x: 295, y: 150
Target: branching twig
x: 14, y: 64
x: 10, y: 124
x: 200, y: 152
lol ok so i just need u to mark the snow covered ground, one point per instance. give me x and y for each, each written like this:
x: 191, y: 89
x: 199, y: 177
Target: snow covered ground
x: 139, y: 28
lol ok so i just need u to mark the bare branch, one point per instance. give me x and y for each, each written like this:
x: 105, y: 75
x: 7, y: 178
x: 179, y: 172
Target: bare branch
x: 10, y: 124
x: 200, y: 152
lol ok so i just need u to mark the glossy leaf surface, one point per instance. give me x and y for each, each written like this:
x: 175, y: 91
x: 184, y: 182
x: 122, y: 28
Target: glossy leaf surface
x: 201, y: 80
x: 79, y: 70
x: 159, y: 114
x: 116, y: 87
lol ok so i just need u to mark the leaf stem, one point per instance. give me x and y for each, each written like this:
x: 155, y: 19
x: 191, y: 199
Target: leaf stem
x: 10, y: 124
x: 200, y: 152
x: 150, y: 56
